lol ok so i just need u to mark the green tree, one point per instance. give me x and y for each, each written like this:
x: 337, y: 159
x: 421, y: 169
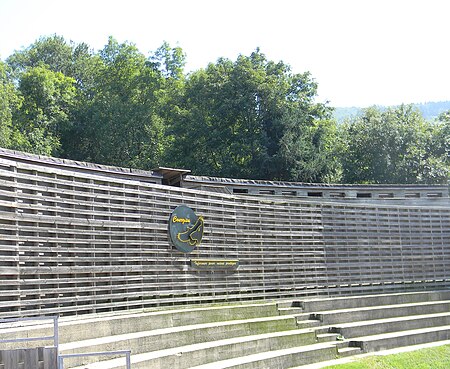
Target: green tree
x: 56, y: 54
x: 310, y: 148
x: 77, y: 61
x: 47, y: 98
x: 170, y: 61
x: 9, y: 102
x: 53, y: 52
x: 121, y: 123
x: 391, y: 146
x: 234, y: 116
x: 437, y: 163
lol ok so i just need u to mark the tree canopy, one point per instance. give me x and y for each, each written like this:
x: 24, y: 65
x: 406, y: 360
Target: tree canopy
x: 246, y: 118
x: 395, y: 146
x: 238, y: 119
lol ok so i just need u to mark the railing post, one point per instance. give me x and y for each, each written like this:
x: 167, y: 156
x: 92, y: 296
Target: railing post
x: 127, y: 354
x: 56, y: 333
x: 60, y: 362
x: 128, y: 357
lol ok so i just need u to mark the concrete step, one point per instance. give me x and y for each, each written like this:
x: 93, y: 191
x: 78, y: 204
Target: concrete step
x: 307, y: 323
x: 284, y: 304
x: 380, y: 312
x: 290, y: 311
x: 159, y: 339
x: 347, y: 348
x: 303, y: 316
x: 381, y: 326
x: 403, y: 338
x: 276, y: 341
x: 349, y: 302
x: 80, y: 328
x: 213, y: 352
x: 327, y: 337
x: 349, y: 351
x: 286, y: 358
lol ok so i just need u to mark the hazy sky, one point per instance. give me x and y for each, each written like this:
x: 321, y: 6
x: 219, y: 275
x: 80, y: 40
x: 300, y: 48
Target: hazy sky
x: 361, y: 52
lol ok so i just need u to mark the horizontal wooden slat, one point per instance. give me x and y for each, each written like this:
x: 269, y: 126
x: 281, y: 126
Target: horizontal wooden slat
x: 77, y: 241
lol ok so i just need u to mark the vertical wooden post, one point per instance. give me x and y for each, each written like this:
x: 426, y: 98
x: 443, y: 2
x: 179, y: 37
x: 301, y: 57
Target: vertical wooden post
x: 50, y: 358
x: 10, y: 359
x: 31, y: 360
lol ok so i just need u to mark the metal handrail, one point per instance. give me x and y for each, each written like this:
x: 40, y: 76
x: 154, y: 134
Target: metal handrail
x: 127, y: 354
x: 55, y: 336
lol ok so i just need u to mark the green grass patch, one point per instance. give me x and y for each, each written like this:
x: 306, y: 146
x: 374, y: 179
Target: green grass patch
x: 429, y: 358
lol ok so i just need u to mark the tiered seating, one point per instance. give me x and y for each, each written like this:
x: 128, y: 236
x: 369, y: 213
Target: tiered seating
x: 261, y: 335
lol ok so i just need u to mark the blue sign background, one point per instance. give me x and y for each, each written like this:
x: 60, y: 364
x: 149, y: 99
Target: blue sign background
x: 185, y: 229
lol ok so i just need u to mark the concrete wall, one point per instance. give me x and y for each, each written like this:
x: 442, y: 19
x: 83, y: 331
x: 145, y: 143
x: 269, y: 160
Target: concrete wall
x: 78, y: 238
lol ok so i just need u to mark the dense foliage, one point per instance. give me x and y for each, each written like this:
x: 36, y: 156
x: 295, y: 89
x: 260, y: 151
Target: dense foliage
x: 249, y: 118
x: 395, y: 146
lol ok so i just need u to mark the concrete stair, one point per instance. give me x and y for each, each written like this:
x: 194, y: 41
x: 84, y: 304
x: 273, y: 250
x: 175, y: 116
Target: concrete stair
x: 286, y: 358
x: 349, y: 302
x: 387, y: 341
x: 364, y: 325
x: 196, y: 337
x: 211, y: 352
x: 380, y: 326
x: 265, y: 335
x: 345, y: 349
x: 380, y: 312
x: 80, y: 328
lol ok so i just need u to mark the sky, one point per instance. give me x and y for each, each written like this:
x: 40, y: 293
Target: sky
x: 360, y: 52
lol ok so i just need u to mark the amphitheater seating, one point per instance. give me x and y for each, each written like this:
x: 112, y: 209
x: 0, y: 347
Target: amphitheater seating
x: 281, y: 334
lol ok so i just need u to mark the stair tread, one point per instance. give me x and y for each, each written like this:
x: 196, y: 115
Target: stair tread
x: 349, y: 349
x: 389, y: 320
x: 326, y: 340
x: 401, y: 333
x: 132, y: 314
x: 327, y: 334
x: 180, y: 350
x: 263, y: 355
x: 154, y: 332
x: 380, y: 307
x: 222, y: 342
x: 342, y: 298
x: 290, y: 308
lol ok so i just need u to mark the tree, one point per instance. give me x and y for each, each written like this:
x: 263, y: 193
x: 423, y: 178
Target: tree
x: 47, y: 98
x: 53, y: 52
x: 170, y: 61
x: 437, y: 163
x: 234, y: 116
x: 75, y: 61
x: 9, y: 102
x: 391, y: 146
x: 120, y: 124
x: 309, y: 148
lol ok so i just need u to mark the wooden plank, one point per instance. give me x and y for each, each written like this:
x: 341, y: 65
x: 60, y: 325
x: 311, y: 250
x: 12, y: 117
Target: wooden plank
x: 31, y: 359
x: 83, y: 242
x: 10, y: 358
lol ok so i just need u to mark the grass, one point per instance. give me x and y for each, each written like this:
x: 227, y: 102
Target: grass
x: 429, y: 358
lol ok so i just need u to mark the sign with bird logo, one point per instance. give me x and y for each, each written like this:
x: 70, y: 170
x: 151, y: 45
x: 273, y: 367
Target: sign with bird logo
x: 185, y: 229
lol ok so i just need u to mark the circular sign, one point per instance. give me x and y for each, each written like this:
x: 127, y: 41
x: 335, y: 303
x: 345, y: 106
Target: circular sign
x: 185, y: 229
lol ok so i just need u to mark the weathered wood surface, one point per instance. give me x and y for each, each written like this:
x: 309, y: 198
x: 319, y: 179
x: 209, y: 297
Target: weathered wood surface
x: 29, y: 358
x: 74, y: 242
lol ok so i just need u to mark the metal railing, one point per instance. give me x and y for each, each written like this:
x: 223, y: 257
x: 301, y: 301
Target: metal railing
x: 127, y: 354
x: 54, y: 337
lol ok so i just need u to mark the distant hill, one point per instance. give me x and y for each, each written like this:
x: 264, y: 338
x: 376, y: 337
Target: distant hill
x: 429, y: 110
